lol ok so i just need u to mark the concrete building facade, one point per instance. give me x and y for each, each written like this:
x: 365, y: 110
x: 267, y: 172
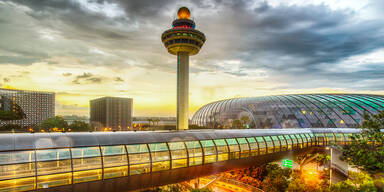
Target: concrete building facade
x: 34, y: 106
x: 111, y: 113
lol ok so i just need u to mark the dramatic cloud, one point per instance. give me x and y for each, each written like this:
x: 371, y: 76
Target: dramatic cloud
x: 93, y: 48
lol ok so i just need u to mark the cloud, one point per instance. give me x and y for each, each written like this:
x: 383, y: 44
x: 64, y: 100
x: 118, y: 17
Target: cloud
x: 119, y: 79
x: 87, y: 78
x: 6, y: 80
x: 258, y: 46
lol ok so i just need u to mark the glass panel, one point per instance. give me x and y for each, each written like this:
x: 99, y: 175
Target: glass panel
x: 244, y: 147
x: 140, y: 148
x: 158, y: 147
x: 253, y: 145
x: 49, y: 167
x: 179, y: 163
x: 160, y: 156
x: 86, y: 163
x: 339, y: 138
x: 294, y: 140
x: 330, y: 138
x: 289, y: 141
x: 53, y: 180
x: 176, y: 146
x: 113, y: 150
x: 159, y: 166
x: 233, y: 149
x: 262, y: 146
x: 23, y: 184
x: 195, y: 153
x: 299, y: 141
x: 17, y: 170
x: 115, y: 160
x: 16, y: 157
x: 86, y: 176
x: 195, y: 161
x: 115, y: 172
x: 276, y: 142
x: 309, y: 139
x: 270, y: 147
x: 207, y: 143
x: 52, y: 154
x: 320, y: 139
x: 138, y: 158
x: 283, y: 143
x: 139, y: 168
x: 209, y: 151
x: 179, y: 154
x: 219, y: 142
x: 84, y: 152
x: 222, y: 149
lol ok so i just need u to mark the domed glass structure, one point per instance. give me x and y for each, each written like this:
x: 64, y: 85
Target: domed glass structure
x: 289, y: 111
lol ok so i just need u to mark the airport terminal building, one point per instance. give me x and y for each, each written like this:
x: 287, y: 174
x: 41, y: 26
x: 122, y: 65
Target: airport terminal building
x: 289, y: 111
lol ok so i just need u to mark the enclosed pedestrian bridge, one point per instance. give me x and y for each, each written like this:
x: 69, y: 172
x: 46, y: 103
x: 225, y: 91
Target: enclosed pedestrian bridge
x: 118, y: 161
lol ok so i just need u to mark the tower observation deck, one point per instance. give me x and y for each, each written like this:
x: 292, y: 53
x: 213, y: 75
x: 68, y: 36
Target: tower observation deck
x: 183, y: 40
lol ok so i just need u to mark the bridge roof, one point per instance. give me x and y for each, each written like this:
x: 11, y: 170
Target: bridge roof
x: 28, y: 141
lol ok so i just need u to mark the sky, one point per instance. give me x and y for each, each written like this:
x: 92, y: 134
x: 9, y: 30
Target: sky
x: 85, y: 49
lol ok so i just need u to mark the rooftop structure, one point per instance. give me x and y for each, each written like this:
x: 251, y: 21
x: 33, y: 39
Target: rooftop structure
x: 183, y: 40
x: 111, y: 113
x: 289, y: 111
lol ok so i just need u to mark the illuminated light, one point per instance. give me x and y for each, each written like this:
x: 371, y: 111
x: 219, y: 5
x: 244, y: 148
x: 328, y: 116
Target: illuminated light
x: 310, y: 113
x: 304, y: 112
x: 342, y: 121
x: 183, y: 13
x: 287, y: 163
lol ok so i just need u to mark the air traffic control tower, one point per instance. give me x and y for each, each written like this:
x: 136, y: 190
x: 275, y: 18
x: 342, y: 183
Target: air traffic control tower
x: 183, y: 40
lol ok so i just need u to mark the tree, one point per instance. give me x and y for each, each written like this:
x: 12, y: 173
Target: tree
x: 244, y: 120
x: 57, y: 123
x: 9, y: 115
x: 79, y: 126
x: 357, y: 182
x: 367, y: 149
x: 321, y: 159
x: 237, y: 123
x: 6, y: 115
x: 277, y: 179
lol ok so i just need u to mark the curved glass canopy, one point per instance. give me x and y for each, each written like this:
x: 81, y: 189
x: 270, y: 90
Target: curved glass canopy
x: 289, y: 111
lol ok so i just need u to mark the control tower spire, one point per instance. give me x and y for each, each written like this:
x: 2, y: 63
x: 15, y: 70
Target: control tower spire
x: 183, y: 40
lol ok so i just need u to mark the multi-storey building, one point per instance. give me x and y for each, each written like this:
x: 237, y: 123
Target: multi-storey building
x: 34, y: 106
x: 111, y: 113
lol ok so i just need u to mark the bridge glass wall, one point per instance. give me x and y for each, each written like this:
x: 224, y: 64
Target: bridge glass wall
x: 289, y: 111
x: 44, y: 168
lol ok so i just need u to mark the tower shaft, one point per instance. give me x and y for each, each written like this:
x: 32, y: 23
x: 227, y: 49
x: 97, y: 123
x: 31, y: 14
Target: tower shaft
x: 182, y: 90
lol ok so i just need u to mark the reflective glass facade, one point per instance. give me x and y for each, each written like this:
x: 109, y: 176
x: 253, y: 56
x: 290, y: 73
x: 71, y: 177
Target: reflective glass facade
x: 37, y: 161
x: 289, y: 111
